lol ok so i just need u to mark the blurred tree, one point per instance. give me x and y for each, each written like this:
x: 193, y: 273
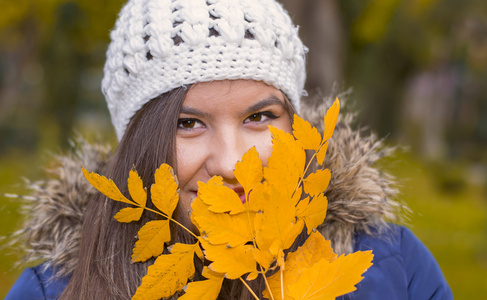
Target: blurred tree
x: 47, y: 49
x: 65, y: 56
x: 321, y: 30
x: 396, y: 46
x: 52, y: 52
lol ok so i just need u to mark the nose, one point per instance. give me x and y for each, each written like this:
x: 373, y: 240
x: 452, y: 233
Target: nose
x: 226, y: 150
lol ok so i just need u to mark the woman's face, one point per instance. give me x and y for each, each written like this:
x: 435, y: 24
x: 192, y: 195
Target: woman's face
x: 218, y: 123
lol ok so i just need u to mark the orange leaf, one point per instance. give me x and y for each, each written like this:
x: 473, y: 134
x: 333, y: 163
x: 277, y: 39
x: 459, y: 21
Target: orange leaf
x: 164, y: 191
x: 205, y: 289
x: 306, y: 134
x: 167, y: 275
x: 136, y: 188
x: 249, y: 171
x: 234, y: 261
x: 184, y: 248
x: 328, y: 280
x: 219, y: 197
x: 263, y: 258
x: 302, y: 205
x: 317, y: 182
x: 320, y: 155
x: 129, y: 214
x: 313, y: 250
x: 152, y: 237
x: 209, y: 274
x: 286, y: 164
x: 106, y: 186
x: 315, y: 212
x: 277, y: 228
x: 331, y: 119
x: 198, y: 208
x: 256, y: 201
x: 231, y: 230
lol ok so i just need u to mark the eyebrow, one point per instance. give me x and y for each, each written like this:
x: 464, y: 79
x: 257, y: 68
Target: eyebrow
x: 194, y: 111
x: 271, y: 100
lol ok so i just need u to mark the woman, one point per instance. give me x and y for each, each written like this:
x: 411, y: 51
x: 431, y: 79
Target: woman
x: 195, y: 83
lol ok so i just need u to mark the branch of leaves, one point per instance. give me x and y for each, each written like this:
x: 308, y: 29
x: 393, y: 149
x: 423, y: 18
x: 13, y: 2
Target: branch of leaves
x: 243, y: 240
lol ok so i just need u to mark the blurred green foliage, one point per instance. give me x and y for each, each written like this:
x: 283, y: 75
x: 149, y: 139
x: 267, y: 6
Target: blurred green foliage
x: 421, y: 64
x: 452, y: 222
x: 418, y: 69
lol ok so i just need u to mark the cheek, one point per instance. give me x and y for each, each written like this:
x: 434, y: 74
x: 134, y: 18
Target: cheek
x: 187, y: 162
x: 187, y: 168
x: 264, y: 148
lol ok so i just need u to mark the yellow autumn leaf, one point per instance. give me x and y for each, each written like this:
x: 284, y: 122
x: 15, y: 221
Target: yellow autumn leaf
x: 302, y: 205
x: 331, y: 118
x: 317, y: 182
x: 106, y: 186
x: 320, y: 155
x: 218, y: 197
x: 306, y: 134
x: 286, y: 164
x: 136, y: 188
x: 277, y: 227
x: 313, y: 250
x: 233, y: 262
x: 249, y: 170
x: 167, y: 275
x: 209, y: 274
x: 184, y: 248
x: 256, y: 201
x: 205, y: 289
x: 220, y: 228
x: 314, y: 213
x: 298, y: 193
x: 164, y: 191
x: 152, y: 237
x: 129, y: 214
x: 328, y: 280
x: 231, y: 230
x: 263, y: 258
x: 200, y: 209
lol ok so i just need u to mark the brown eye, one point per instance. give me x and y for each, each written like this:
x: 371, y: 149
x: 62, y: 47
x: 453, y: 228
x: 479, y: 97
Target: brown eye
x: 187, y: 123
x: 260, y: 117
x: 255, y: 117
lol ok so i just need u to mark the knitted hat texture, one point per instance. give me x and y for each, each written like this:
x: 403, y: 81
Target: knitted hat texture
x: 159, y: 45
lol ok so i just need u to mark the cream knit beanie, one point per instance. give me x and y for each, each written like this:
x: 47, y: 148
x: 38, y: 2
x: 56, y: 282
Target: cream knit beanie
x: 159, y: 45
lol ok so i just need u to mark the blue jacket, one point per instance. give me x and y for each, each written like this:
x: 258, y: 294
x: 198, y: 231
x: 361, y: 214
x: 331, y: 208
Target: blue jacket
x: 403, y: 268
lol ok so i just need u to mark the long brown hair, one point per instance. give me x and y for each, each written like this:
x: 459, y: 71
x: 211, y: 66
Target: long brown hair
x: 104, y: 270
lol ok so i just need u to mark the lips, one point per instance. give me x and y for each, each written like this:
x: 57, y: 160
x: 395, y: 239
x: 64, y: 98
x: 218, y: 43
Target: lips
x: 241, y: 193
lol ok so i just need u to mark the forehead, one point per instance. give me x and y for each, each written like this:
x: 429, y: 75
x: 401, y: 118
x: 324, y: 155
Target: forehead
x: 229, y: 92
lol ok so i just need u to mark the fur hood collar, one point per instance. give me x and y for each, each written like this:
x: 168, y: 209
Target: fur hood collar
x: 360, y: 197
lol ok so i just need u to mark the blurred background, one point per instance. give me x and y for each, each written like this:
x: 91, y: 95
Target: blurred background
x: 417, y: 68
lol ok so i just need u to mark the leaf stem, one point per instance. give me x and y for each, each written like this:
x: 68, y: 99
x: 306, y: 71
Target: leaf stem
x: 268, y: 287
x: 306, y: 169
x: 169, y: 218
x: 282, y: 283
x: 248, y: 287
